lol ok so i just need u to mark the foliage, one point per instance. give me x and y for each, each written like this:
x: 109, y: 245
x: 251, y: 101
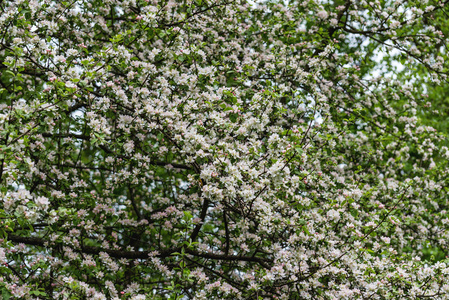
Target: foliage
x: 226, y: 149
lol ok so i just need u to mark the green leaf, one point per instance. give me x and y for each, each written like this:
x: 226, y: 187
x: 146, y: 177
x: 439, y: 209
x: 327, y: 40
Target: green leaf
x: 188, y: 215
x: 10, y: 73
x: 6, y: 295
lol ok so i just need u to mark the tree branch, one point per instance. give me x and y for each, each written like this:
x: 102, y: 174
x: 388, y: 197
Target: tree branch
x: 38, y: 241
